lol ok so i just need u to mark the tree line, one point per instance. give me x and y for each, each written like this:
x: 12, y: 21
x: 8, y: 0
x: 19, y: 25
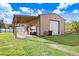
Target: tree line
x: 72, y: 26
x: 5, y: 26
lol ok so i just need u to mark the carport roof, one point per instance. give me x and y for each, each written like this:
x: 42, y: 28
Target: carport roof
x: 23, y: 18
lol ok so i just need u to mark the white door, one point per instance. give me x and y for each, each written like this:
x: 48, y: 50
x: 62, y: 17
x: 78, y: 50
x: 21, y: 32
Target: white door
x: 54, y: 27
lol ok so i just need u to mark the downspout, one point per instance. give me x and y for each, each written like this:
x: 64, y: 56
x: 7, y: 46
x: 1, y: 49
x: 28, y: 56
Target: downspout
x: 39, y: 24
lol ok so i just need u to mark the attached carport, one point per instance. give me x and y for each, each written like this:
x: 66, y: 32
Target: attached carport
x: 19, y: 20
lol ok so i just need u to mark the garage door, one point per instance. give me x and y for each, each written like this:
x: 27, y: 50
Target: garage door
x: 54, y: 27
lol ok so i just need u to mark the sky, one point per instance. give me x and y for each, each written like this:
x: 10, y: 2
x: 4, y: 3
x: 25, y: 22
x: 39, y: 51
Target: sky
x: 69, y: 11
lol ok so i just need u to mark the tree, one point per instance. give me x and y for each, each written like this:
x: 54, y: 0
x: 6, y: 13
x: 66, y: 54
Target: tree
x: 73, y: 26
x: 1, y: 24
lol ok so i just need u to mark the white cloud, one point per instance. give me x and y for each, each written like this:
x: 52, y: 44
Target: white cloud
x: 32, y: 12
x: 7, y: 12
x: 71, y: 16
x: 75, y: 11
x: 6, y: 7
x: 62, y: 6
x: 16, y: 12
x: 26, y: 9
x: 39, y: 11
x: 57, y: 11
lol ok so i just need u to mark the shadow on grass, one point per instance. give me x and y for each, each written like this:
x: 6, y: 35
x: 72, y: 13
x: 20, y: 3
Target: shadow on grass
x: 66, y: 39
x: 38, y: 40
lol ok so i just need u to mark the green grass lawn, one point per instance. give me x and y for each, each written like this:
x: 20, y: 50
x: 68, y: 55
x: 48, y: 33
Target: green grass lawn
x: 70, y: 41
x: 66, y: 39
x: 35, y: 46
